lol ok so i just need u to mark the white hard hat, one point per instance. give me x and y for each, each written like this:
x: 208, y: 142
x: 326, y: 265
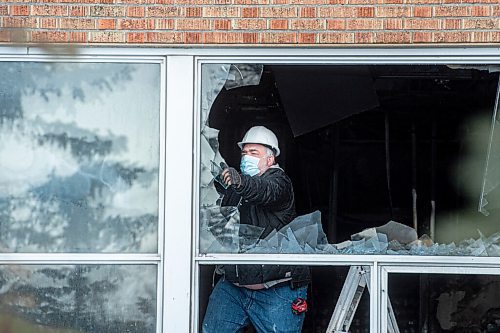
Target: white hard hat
x: 261, y: 135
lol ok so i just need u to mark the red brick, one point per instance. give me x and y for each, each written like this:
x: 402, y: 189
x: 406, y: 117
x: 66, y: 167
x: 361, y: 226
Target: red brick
x: 20, y: 10
x: 423, y: 11
x: 307, y: 38
x: 308, y: 2
x: 193, y: 37
x: 192, y: 24
x: 278, y: 12
x: 421, y: 24
x: 17, y: 36
x: 451, y: 24
x: 393, y: 24
x: 280, y: 2
x: 193, y: 12
x: 250, y: 37
x: 222, y: 38
x: 365, y: 24
x: 314, y: 24
x: 191, y: 3
x: 20, y: 22
x: 481, y: 36
x: 49, y: 36
x: 165, y: 24
x: 249, y: 12
x: 361, y: 2
x: 335, y: 24
x: 366, y: 11
x: 278, y: 24
x: 47, y: 23
x: 336, y: 38
x: 496, y: 11
x: 107, y: 37
x: 364, y: 37
x: 392, y: 37
x: 5, y: 36
x: 484, y: 24
x: 136, y: 24
x: 452, y: 37
x: 336, y: 11
x: 4, y: 10
x: 480, y: 11
x: 136, y: 37
x: 109, y: 11
x: 338, y: 2
x: 393, y: 11
x: 164, y: 11
x: 278, y: 38
x: 448, y: 11
x: 224, y: 11
x: 251, y: 2
x: 106, y: 24
x: 135, y: 11
x: 422, y: 37
x: 48, y: 10
x: 77, y: 23
x: 222, y: 24
x: 78, y: 37
x: 495, y: 37
x: 422, y: 2
x: 307, y: 12
x: 250, y: 24
x: 165, y: 37
x: 79, y: 11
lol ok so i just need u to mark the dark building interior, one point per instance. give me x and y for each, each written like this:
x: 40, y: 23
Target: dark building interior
x: 370, y: 144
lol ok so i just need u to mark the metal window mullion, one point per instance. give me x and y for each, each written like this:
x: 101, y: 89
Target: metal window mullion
x: 374, y: 298
x: 78, y: 258
x: 179, y: 195
x: 161, y: 199
x: 384, y: 297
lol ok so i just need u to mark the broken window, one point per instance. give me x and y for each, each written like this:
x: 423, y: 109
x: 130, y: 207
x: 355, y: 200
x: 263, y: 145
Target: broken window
x: 384, y: 159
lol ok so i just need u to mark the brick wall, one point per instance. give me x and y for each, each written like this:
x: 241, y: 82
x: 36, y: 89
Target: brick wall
x: 254, y: 22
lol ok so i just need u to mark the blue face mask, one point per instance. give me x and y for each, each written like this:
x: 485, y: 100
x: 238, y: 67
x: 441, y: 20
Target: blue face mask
x: 249, y: 165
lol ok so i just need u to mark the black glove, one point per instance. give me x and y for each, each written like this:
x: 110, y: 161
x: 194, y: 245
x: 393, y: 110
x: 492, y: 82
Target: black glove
x: 231, y: 177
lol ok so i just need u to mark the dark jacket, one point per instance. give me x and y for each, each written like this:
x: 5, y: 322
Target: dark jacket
x: 266, y: 201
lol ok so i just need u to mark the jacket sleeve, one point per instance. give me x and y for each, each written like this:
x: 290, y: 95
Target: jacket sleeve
x: 271, y: 190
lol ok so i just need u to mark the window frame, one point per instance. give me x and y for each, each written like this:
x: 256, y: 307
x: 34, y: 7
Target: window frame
x: 177, y: 258
x: 377, y: 263
x: 95, y: 258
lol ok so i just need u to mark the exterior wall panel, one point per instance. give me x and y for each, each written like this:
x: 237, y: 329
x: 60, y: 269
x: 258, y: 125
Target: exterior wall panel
x: 251, y: 22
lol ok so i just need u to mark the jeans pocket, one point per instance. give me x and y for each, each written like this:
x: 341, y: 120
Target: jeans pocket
x: 288, y: 294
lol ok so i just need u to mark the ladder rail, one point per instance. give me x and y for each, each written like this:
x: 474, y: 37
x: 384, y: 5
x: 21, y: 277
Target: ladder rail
x: 358, y: 278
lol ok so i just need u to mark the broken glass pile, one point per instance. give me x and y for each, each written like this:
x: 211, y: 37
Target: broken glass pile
x: 305, y: 235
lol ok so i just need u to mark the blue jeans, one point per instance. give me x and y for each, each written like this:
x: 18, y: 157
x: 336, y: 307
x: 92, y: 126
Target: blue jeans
x: 232, y: 308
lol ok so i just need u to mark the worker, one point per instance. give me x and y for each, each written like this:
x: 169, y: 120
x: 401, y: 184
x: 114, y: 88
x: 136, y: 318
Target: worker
x: 270, y: 297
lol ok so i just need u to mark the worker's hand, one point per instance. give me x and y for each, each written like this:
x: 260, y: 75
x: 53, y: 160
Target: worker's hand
x: 231, y: 177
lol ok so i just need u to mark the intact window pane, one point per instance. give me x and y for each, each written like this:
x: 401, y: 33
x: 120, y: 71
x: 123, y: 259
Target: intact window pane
x: 78, y: 298
x: 79, y: 157
x: 445, y: 302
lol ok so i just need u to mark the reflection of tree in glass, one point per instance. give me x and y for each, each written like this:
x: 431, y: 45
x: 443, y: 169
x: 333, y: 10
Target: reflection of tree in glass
x: 81, y: 298
x: 66, y: 187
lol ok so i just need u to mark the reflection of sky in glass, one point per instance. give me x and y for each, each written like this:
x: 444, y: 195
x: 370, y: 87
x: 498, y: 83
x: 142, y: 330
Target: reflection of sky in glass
x: 79, y: 148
